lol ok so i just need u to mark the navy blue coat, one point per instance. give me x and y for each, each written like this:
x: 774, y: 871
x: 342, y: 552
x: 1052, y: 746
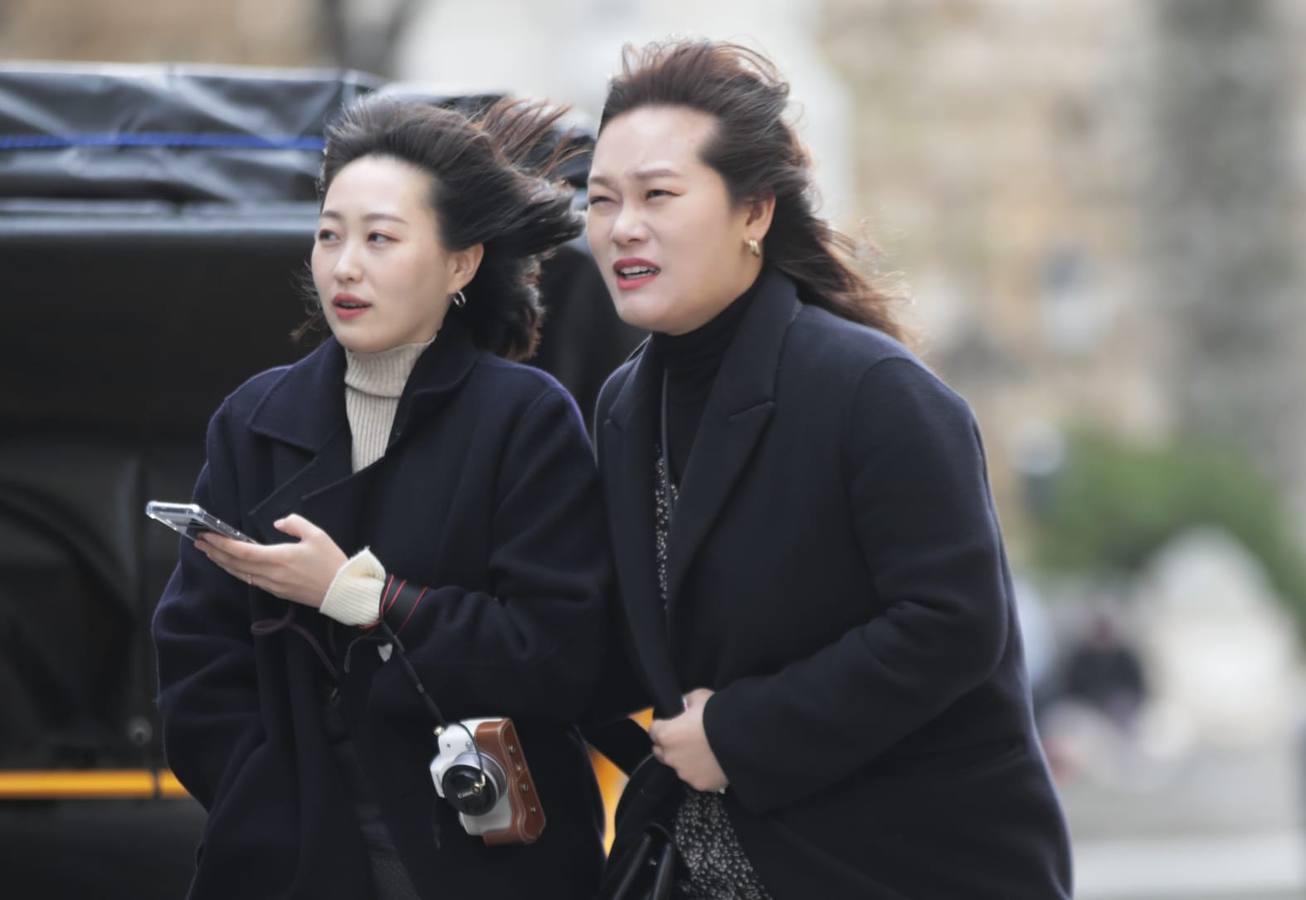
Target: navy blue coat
x: 838, y: 578
x: 488, y: 494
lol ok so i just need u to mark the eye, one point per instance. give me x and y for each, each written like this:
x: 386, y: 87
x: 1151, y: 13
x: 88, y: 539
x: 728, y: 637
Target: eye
x: 377, y: 237
x: 599, y: 200
x: 654, y: 193
x: 325, y: 234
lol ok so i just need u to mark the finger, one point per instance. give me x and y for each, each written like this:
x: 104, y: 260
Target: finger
x: 207, y: 547
x: 213, y: 539
x: 231, y: 549
x: 296, y: 525
x: 669, y: 736
x: 226, y: 560
x: 696, y: 697
x: 216, y: 556
x: 662, y: 730
x: 240, y: 568
x: 257, y: 557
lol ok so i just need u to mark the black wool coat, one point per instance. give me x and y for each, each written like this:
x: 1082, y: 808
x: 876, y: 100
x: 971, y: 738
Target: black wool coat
x: 838, y: 578
x: 488, y: 496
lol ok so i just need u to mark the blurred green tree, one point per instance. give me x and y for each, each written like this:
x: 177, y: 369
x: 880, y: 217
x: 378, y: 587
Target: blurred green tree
x: 1113, y: 504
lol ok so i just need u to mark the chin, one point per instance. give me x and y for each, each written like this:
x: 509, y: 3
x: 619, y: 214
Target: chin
x: 647, y: 313
x: 360, y: 342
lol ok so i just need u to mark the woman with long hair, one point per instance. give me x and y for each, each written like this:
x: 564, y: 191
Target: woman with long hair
x: 429, y: 547
x: 815, y: 596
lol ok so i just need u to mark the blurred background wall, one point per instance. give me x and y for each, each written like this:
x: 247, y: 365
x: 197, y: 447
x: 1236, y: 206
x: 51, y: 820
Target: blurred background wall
x: 1092, y: 213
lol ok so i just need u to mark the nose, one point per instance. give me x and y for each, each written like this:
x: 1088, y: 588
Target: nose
x: 628, y: 226
x: 347, y: 269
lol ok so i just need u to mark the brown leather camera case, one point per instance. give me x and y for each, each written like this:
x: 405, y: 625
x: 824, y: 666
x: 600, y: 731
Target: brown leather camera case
x: 498, y: 738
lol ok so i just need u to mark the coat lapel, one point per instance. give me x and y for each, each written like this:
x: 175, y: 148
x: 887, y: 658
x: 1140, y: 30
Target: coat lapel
x: 305, y: 414
x: 436, y: 376
x: 736, y: 415
x: 626, y: 459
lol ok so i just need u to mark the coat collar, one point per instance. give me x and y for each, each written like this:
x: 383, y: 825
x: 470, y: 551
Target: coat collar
x: 748, y: 370
x: 306, y: 407
x: 738, y: 409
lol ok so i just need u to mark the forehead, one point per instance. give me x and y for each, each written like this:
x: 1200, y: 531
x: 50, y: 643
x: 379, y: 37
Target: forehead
x: 652, y: 136
x: 379, y: 184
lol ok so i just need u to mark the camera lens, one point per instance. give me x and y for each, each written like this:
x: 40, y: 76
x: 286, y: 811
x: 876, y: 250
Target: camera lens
x: 468, y: 790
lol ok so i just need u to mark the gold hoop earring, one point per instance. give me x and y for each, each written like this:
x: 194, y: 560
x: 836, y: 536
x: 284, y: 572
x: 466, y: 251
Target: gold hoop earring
x: 754, y: 247
x: 459, y: 299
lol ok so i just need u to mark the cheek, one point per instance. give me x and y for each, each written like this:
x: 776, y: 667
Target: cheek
x: 695, y: 235
x: 319, y: 265
x: 596, y: 234
x: 413, y: 274
x: 694, y: 250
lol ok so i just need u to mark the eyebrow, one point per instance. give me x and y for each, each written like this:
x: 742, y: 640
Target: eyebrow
x: 639, y: 175
x: 370, y: 217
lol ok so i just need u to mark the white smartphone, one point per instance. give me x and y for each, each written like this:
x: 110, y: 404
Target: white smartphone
x: 190, y: 520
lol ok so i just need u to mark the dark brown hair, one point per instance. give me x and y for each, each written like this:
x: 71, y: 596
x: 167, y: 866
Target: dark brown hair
x: 758, y: 154
x: 484, y: 191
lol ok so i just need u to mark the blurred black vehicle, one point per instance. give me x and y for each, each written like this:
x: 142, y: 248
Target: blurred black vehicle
x: 155, y: 222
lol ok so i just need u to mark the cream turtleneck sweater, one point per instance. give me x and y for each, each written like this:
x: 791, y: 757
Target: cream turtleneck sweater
x: 374, y: 383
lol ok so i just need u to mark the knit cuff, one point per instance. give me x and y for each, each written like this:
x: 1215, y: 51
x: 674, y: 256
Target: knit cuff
x: 354, y: 597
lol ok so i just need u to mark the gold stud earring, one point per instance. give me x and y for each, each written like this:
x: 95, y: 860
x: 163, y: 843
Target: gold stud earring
x: 754, y: 247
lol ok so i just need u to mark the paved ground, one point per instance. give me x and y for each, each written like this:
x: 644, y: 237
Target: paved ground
x: 1218, y: 826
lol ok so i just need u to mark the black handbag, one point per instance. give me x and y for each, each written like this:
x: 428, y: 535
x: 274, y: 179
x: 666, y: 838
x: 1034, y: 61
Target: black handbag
x: 643, y: 862
x: 647, y: 872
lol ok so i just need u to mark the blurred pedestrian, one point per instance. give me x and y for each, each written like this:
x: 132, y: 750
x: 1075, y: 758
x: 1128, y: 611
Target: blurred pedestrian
x: 1104, y: 671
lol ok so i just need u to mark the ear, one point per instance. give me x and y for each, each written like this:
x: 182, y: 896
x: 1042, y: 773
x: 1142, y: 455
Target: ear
x: 463, y: 265
x: 760, y: 212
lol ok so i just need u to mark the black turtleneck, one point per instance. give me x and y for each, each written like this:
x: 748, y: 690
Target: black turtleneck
x: 690, y: 362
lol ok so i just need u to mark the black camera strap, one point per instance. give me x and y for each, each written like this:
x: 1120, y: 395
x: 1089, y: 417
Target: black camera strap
x: 401, y: 654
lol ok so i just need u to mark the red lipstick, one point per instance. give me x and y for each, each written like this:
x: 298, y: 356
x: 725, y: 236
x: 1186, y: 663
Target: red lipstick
x: 634, y: 272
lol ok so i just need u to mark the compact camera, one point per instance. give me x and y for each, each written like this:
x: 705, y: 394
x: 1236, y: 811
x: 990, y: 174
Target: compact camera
x: 481, y: 771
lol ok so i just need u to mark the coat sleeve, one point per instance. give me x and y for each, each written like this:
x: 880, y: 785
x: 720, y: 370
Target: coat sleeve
x: 530, y: 646
x: 208, y: 689
x: 924, y: 521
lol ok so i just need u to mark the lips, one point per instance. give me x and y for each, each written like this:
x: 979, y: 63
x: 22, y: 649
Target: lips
x: 634, y: 272
x: 348, y: 306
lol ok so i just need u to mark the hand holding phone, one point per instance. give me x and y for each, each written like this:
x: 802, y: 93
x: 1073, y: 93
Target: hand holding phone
x: 300, y: 570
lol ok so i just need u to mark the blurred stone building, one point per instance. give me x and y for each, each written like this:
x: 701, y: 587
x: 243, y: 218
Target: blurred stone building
x: 245, y: 32
x: 1098, y: 207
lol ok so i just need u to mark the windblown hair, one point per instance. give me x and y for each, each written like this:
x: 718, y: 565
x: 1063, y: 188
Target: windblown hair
x: 758, y: 154
x: 487, y: 187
